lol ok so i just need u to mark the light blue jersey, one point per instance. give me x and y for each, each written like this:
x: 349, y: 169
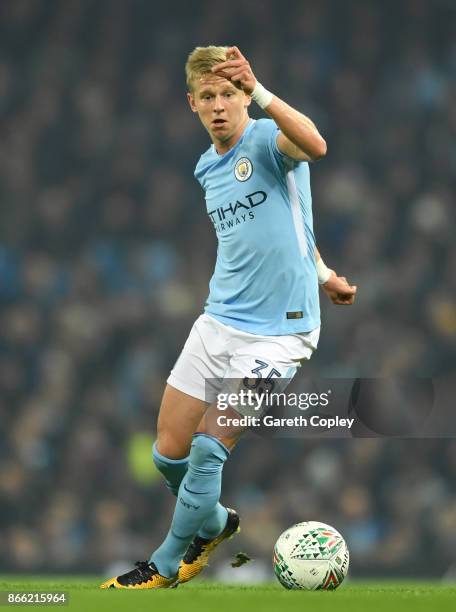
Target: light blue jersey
x: 259, y: 200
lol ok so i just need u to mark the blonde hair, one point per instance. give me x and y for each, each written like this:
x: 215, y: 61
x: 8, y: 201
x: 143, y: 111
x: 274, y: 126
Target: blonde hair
x: 200, y: 62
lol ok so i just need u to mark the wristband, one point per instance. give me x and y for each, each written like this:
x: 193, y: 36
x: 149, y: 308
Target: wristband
x: 323, y: 272
x: 261, y: 96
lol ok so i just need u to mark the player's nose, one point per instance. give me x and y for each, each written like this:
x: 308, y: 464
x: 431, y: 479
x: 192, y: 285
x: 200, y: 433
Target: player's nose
x: 218, y: 103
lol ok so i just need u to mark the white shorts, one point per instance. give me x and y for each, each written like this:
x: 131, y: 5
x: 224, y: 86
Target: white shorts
x: 215, y: 352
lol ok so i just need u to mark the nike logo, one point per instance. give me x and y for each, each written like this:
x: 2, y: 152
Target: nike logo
x: 194, y: 492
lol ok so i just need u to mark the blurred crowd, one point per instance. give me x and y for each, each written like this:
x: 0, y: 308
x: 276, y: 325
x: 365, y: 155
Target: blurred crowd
x: 106, y: 253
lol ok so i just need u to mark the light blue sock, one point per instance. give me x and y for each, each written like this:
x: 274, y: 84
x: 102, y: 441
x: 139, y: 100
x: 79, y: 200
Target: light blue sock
x: 197, y: 497
x: 174, y: 470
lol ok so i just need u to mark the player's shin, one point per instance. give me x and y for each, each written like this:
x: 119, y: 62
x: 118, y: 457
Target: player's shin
x: 173, y: 471
x: 197, y: 498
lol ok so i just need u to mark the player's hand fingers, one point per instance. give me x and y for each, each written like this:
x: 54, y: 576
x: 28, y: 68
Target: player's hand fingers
x: 234, y: 51
x: 240, y: 76
x: 224, y: 74
x: 342, y: 297
x: 348, y: 299
x: 232, y: 70
x: 229, y: 73
x: 348, y: 290
x: 227, y: 64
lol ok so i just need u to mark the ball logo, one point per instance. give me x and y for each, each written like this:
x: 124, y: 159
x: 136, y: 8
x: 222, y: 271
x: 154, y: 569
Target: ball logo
x: 243, y: 169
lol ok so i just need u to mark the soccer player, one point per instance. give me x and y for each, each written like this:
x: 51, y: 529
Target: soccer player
x: 261, y: 319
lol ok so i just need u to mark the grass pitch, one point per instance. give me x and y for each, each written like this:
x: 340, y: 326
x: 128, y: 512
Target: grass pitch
x: 205, y: 596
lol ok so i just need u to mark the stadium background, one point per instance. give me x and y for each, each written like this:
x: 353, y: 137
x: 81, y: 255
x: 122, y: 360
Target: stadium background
x: 106, y: 252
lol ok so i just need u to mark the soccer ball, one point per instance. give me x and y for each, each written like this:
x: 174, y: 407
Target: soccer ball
x: 312, y: 556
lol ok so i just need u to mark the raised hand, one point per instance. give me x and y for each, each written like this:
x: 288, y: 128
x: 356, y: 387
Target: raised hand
x: 237, y: 70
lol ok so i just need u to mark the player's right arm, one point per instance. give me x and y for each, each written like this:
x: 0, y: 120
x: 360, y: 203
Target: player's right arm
x: 298, y: 137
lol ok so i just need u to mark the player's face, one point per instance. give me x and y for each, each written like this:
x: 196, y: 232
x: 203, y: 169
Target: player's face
x: 222, y: 108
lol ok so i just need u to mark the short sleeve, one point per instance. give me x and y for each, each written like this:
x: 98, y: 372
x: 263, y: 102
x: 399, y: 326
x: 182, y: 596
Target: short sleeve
x: 281, y: 161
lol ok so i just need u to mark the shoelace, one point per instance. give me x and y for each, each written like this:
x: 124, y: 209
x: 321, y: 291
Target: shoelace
x: 142, y: 573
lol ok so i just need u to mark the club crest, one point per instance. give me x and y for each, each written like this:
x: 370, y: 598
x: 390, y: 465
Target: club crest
x: 243, y: 169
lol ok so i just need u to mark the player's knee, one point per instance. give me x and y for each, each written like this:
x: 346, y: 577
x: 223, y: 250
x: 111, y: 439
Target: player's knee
x: 171, y: 446
x: 162, y: 461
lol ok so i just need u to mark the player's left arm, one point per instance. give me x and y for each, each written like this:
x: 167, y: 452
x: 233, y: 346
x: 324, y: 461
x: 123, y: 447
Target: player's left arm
x: 336, y: 287
x: 298, y: 137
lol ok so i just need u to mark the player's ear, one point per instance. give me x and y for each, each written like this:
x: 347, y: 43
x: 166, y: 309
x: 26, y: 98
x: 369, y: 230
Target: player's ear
x: 191, y: 101
x: 247, y: 101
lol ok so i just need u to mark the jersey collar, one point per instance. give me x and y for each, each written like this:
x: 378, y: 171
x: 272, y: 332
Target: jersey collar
x: 246, y: 131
